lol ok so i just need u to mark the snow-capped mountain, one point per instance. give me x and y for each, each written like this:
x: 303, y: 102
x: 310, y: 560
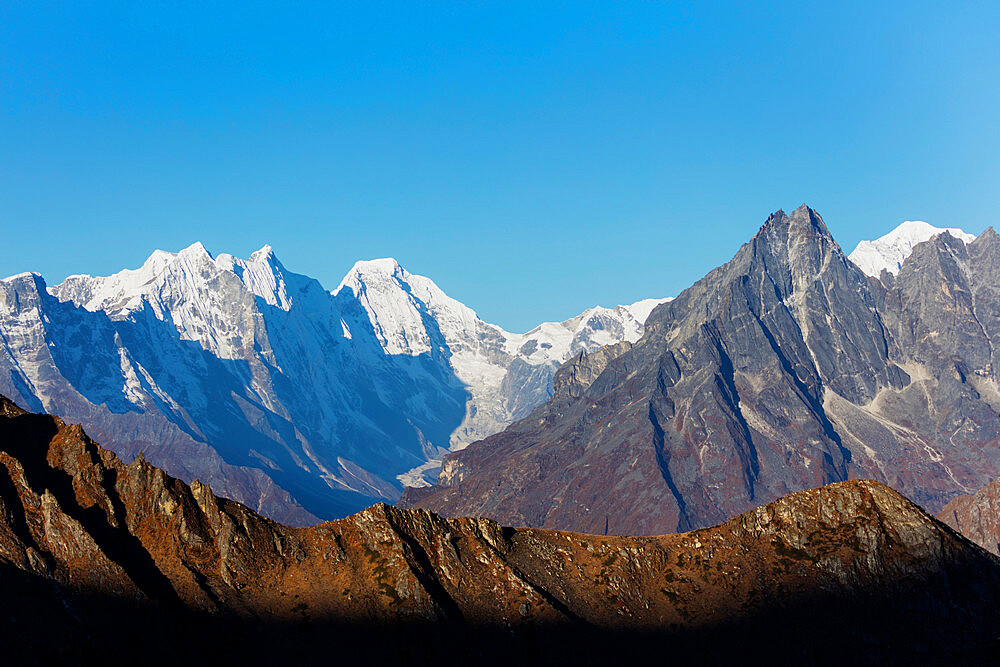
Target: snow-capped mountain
x: 297, y: 401
x: 506, y: 374
x: 888, y: 252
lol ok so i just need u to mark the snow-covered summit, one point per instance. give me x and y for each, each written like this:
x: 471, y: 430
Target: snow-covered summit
x: 27, y: 275
x: 262, y: 274
x: 175, y: 272
x: 365, y: 268
x: 409, y: 313
x: 890, y: 251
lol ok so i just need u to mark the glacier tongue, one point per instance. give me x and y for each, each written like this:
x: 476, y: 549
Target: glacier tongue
x: 297, y: 401
x: 890, y: 251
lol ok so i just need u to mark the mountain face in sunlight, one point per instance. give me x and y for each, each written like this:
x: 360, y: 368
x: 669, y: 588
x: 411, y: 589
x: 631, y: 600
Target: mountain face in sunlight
x: 299, y: 402
x: 784, y: 369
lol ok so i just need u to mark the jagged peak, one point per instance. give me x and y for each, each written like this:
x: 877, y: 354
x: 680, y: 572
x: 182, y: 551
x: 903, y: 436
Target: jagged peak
x: 810, y: 217
x: 265, y: 256
x: 196, y: 249
x: 265, y: 252
x: 802, y: 215
x: 29, y: 287
x: 988, y: 235
x: 803, y: 226
x: 36, y: 278
x: 365, y: 269
x: 261, y: 274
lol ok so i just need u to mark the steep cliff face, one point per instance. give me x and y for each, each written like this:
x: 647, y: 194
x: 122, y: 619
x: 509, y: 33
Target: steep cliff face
x: 92, y: 549
x: 785, y: 369
x: 937, y: 437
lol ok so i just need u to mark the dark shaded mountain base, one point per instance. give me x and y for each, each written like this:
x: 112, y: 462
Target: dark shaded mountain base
x: 46, y: 625
x: 102, y: 562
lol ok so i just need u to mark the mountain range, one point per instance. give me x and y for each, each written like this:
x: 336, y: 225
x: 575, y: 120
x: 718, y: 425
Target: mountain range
x: 301, y: 402
x: 121, y: 563
x: 790, y: 367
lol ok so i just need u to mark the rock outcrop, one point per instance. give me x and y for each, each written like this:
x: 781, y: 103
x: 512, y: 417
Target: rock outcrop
x: 785, y: 369
x: 100, y: 558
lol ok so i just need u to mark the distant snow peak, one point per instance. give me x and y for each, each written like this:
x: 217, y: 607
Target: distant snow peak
x: 265, y: 251
x: 890, y: 251
x: 27, y: 275
x: 384, y: 268
x: 196, y: 249
x: 175, y: 273
x: 262, y: 274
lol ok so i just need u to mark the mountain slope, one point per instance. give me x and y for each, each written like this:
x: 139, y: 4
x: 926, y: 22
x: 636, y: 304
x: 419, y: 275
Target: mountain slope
x: 785, y: 369
x: 300, y: 402
x: 977, y: 516
x: 129, y: 562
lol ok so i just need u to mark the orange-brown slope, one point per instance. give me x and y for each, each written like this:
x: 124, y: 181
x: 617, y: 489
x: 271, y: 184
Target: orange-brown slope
x: 977, y: 516
x: 125, y: 557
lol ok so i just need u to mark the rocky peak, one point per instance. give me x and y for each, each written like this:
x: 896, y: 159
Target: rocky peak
x: 801, y: 220
x: 804, y: 217
x: 579, y: 371
x: 800, y: 242
x: 723, y: 404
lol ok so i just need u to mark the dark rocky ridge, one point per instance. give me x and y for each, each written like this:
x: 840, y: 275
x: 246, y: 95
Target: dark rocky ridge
x: 106, y: 562
x: 785, y: 369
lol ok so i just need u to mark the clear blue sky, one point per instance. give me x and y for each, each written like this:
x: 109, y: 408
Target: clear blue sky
x: 533, y: 159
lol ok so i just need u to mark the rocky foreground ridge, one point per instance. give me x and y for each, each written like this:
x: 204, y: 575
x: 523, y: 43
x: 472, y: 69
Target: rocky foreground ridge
x: 99, y: 558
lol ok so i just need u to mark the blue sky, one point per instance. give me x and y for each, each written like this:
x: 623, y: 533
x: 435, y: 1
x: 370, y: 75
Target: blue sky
x: 534, y: 159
